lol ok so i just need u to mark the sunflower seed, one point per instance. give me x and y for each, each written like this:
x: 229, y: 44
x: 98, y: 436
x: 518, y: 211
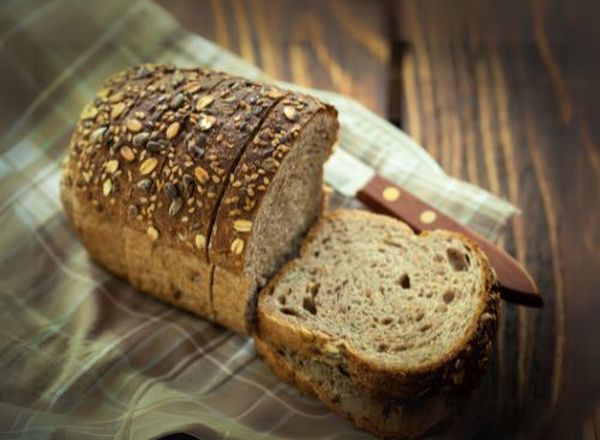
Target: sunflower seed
x: 98, y: 134
x: 155, y: 146
x: 270, y: 164
x: 196, y: 151
x: 274, y: 93
x: 175, y: 206
x: 176, y: 101
x: 188, y: 184
x: 117, y: 97
x: 192, y: 87
x: 170, y: 190
x: 145, y: 185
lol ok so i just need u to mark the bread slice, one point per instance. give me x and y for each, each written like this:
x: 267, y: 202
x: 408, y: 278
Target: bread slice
x: 403, y: 314
x: 383, y: 417
x: 274, y: 196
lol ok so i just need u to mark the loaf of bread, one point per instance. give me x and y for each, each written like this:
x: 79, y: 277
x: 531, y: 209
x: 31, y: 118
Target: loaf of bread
x: 195, y: 185
x: 200, y: 187
x: 403, y: 314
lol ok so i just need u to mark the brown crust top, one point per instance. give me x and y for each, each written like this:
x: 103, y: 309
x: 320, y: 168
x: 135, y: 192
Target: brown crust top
x: 155, y: 148
x: 459, y: 370
x: 219, y: 127
x: 254, y: 173
x: 125, y: 138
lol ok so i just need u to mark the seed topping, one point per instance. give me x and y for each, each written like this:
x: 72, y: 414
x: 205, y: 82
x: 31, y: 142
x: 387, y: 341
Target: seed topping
x: 173, y: 130
x: 290, y: 113
x: 117, y: 110
x: 133, y: 125
x: 206, y: 122
x: 152, y: 233
x: 106, y: 187
x: 237, y: 246
x: 201, y: 174
x: 242, y: 225
x: 140, y: 138
x: 170, y: 190
x: 175, y: 206
x: 148, y: 166
x: 145, y: 185
x: 111, y: 166
x: 127, y: 153
x: 204, y: 102
x: 98, y: 134
x: 200, y: 241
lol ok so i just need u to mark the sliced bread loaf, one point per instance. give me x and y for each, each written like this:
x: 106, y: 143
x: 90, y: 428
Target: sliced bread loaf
x: 163, y: 156
x: 403, y: 314
x: 383, y: 417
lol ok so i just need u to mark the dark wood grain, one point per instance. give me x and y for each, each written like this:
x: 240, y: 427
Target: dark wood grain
x: 504, y: 95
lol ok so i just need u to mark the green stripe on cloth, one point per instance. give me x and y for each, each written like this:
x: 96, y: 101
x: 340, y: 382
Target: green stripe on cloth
x: 82, y: 354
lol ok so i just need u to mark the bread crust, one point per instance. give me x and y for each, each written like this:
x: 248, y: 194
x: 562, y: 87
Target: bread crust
x: 232, y: 292
x: 172, y: 275
x: 385, y: 418
x: 459, y: 370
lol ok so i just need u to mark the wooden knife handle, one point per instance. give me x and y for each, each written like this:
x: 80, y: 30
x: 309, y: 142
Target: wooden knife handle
x: 385, y: 197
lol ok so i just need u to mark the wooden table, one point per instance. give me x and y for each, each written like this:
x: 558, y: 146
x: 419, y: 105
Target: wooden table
x: 502, y: 95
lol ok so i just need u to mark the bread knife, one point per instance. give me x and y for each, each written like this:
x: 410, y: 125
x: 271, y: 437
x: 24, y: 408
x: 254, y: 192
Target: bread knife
x: 353, y: 178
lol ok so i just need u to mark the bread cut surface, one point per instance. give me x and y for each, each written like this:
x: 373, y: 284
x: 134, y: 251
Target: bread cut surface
x: 403, y: 313
x: 383, y: 417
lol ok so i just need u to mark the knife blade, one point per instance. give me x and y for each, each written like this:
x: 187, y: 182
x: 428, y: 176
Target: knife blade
x: 353, y: 178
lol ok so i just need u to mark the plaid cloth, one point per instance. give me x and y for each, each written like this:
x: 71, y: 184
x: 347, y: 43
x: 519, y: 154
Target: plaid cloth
x: 82, y: 354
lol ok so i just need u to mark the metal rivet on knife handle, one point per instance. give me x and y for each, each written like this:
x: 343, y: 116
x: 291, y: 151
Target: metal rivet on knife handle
x: 427, y: 216
x: 391, y: 193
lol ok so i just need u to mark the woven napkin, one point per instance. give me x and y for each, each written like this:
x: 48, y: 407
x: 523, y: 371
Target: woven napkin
x: 82, y: 354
